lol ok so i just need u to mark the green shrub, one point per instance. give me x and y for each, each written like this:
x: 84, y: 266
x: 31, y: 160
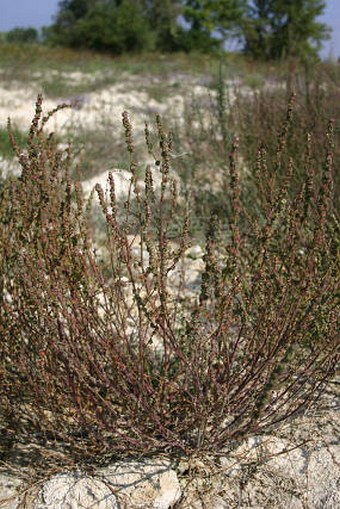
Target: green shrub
x: 106, y: 27
x: 104, y: 351
x: 21, y: 35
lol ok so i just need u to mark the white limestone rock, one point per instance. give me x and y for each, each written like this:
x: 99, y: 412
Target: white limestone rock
x: 73, y: 491
x: 9, y: 486
x: 144, y: 484
x: 122, y: 179
x: 268, y: 471
x: 133, y: 484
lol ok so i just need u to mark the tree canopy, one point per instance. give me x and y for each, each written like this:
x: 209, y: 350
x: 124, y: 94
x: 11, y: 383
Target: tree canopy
x: 268, y: 29
x: 21, y: 35
x: 275, y: 29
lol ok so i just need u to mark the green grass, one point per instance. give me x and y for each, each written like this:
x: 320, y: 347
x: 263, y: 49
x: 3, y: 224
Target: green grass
x: 22, y: 63
x: 19, y: 62
x: 6, y: 150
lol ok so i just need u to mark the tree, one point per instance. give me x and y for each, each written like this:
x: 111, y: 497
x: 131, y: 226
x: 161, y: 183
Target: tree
x: 276, y: 29
x: 257, y: 28
x: 212, y: 21
x: 75, y: 9
x: 163, y: 16
x: 22, y: 35
x: 114, y: 26
x: 299, y: 34
x: 62, y: 32
x: 124, y: 25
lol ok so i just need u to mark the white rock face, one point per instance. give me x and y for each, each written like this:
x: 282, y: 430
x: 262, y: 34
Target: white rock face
x: 268, y: 472
x: 73, y: 491
x: 94, y: 108
x: 8, y: 491
x: 146, y: 485
x: 324, y: 478
x: 264, y: 472
x: 149, y: 484
x: 9, y: 167
x: 122, y: 180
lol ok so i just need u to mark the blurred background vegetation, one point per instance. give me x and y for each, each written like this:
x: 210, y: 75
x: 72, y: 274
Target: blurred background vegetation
x: 264, y: 29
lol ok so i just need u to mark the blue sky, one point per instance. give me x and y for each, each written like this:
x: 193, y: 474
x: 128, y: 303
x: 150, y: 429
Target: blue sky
x: 38, y: 13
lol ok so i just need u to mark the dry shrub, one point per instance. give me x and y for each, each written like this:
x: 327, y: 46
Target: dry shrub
x: 258, y: 117
x: 104, y: 351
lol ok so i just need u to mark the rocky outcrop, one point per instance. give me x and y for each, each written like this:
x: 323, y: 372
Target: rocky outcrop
x: 297, y: 467
x: 132, y: 484
x: 264, y: 472
x: 147, y: 484
x: 10, y: 486
x: 67, y: 490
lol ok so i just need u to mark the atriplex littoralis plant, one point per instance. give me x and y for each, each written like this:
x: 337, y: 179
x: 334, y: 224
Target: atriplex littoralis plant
x: 106, y: 346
